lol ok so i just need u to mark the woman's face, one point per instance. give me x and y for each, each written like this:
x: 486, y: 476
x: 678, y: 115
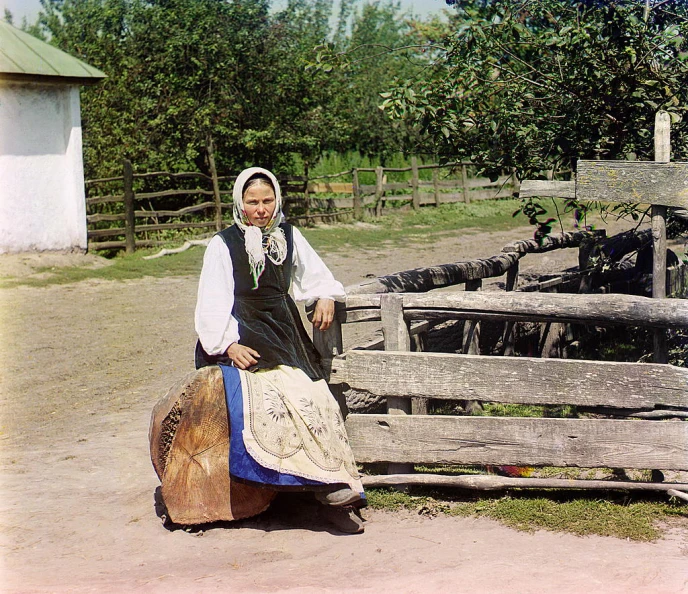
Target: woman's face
x: 259, y: 204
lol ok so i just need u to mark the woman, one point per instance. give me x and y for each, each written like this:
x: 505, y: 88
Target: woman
x: 287, y: 431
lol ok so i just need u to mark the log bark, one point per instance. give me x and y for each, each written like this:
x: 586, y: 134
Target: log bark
x: 189, y: 447
x: 424, y: 279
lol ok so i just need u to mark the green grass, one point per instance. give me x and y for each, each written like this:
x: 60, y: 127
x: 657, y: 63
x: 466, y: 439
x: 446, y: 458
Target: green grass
x: 420, y: 227
x: 636, y: 520
x: 121, y: 268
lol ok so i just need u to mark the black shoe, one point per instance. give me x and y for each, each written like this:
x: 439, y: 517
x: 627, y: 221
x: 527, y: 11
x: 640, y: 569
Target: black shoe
x: 344, y: 519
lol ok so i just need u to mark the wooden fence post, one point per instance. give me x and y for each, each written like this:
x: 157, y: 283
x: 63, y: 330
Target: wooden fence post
x: 216, y: 185
x: 379, y: 190
x: 414, y: 183
x: 471, y: 343
x: 306, y: 191
x: 436, y: 186
x: 395, y: 331
x: 659, y: 240
x: 464, y: 184
x: 508, y: 336
x: 130, y: 222
x: 358, y: 209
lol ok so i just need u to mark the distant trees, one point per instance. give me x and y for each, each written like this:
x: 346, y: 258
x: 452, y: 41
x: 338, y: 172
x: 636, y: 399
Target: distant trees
x: 183, y: 74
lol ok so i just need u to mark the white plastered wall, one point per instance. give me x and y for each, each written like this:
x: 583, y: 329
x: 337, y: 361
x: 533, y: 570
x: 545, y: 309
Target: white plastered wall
x: 42, y: 202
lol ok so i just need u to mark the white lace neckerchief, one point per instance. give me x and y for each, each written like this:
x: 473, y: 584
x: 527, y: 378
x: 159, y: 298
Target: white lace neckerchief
x: 259, y: 242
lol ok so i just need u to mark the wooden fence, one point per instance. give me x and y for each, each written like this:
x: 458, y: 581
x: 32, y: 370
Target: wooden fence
x: 207, y: 198
x: 441, y: 189
x: 645, y: 405
x: 117, y: 216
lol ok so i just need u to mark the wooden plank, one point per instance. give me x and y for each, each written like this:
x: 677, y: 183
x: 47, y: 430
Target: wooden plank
x: 659, y: 237
x: 130, y: 219
x: 587, y: 443
x: 105, y: 199
x: 379, y: 190
x: 556, y: 307
x: 181, y: 175
x: 356, y: 190
x: 167, y: 193
x: 428, y: 198
x: 141, y: 228
x: 330, y: 188
x: 97, y: 218
x: 547, y: 189
x: 464, y: 185
x: 414, y: 183
x: 397, y: 337
x: 644, y: 182
x: 522, y: 380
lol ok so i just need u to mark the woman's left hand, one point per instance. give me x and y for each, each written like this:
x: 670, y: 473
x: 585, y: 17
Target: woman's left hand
x: 323, y: 314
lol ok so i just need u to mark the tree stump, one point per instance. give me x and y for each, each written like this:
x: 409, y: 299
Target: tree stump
x: 189, y: 445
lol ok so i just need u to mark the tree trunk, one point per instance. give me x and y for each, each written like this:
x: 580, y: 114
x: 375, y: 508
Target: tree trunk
x: 189, y: 445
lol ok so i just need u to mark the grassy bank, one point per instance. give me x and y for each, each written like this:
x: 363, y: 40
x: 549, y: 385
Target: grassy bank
x: 607, y: 515
x: 423, y: 226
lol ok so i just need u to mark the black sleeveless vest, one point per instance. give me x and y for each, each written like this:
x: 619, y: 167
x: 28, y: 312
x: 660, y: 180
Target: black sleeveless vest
x: 268, y: 318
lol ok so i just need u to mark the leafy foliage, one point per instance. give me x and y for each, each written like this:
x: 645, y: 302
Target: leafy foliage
x: 534, y: 85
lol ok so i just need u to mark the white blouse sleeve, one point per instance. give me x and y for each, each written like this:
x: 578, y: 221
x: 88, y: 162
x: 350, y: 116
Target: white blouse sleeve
x: 312, y: 280
x: 215, y: 325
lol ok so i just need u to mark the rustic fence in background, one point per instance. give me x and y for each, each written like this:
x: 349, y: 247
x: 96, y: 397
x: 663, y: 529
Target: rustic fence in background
x: 117, y: 216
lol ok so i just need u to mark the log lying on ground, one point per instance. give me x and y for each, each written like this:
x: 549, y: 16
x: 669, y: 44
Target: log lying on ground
x: 497, y: 483
x: 189, y: 446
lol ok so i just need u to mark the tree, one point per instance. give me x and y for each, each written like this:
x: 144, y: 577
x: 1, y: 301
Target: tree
x: 299, y: 113
x: 380, y: 49
x: 534, y: 85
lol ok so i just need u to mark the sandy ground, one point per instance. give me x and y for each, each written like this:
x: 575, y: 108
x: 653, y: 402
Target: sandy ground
x: 82, y: 366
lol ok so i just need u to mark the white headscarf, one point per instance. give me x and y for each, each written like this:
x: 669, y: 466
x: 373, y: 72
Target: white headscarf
x: 259, y: 242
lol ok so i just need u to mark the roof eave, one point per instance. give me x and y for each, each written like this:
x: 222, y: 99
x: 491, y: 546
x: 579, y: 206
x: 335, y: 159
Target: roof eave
x: 50, y: 79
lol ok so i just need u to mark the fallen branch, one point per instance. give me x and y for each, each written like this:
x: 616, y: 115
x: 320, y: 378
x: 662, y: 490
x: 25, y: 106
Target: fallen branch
x: 679, y: 494
x: 492, y: 483
x: 186, y: 246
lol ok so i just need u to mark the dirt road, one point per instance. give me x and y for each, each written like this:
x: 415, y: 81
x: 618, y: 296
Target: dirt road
x: 82, y: 366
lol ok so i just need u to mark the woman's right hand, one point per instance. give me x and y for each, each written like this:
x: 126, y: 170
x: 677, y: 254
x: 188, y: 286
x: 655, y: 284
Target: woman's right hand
x: 242, y: 356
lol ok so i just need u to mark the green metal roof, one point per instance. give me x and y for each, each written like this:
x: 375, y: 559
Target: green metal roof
x: 24, y: 57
